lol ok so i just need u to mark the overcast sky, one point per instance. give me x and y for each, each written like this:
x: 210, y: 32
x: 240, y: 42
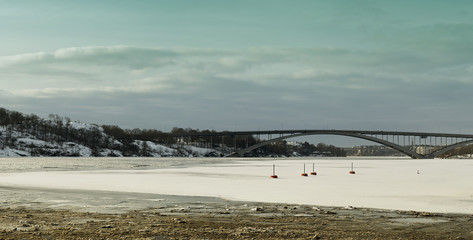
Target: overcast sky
x: 241, y: 65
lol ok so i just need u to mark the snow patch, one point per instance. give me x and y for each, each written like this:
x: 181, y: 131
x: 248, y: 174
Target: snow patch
x: 8, y: 152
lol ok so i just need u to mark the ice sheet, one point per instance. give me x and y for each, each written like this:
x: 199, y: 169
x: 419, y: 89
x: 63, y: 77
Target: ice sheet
x: 434, y: 185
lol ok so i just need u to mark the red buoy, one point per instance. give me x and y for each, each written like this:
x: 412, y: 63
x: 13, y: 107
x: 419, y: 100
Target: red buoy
x: 313, y: 173
x: 351, y: 171
x: 274, y: 175
x: 304, y: 174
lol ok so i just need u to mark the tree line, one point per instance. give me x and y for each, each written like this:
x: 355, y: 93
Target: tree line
x: 460, y: 151
x: 57, y: 129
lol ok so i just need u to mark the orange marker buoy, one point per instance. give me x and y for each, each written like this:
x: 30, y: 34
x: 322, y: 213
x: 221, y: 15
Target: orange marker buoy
x: 274, y: 175
x: 304, y: 174
x: 351, y: 171
x: 313, y: 173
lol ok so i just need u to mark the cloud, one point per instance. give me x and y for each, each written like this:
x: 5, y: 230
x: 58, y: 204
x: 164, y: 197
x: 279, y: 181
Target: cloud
x: 131, y: 57
x: 127, y: 66
x: 213, y: 88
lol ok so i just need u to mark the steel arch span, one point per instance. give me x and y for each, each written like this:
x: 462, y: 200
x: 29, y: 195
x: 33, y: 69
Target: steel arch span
x: 409, y: 150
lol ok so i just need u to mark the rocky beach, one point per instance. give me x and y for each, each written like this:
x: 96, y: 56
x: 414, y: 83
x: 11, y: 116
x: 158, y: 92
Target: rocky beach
x: 232, y: 220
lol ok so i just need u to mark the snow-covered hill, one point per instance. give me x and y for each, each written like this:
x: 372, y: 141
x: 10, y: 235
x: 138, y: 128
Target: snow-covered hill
x: 17, y: 143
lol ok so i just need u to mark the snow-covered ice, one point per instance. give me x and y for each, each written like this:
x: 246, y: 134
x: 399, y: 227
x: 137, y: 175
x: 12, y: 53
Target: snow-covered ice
x: 434, y: 185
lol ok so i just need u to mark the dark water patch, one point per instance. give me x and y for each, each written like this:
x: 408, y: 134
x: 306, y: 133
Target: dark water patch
x: 141, y: 166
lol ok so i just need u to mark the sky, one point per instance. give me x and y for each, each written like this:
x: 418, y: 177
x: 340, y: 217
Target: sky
x: 241, y: 65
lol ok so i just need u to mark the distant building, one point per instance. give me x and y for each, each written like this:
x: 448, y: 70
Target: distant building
x: 322, y: 154
x: 372, y: 150
x: 424, y: 149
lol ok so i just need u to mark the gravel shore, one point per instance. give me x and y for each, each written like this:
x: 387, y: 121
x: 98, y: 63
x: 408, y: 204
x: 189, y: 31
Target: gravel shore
x: 232, y: 220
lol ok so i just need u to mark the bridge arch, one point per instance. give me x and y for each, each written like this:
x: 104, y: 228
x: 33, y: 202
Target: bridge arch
x: 447, y: 141
x: 409, y: 152
x: 448, y: 148
x: 402, y: 149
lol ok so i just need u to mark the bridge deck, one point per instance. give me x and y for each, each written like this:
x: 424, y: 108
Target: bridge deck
x: 381, y: 137
x: 330, y: 132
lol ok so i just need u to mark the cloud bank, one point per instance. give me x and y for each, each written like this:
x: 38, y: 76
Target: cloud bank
x: 248, y: 89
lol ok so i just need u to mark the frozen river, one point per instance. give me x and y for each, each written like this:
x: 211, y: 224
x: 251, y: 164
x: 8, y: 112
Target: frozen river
x: 434, y: 185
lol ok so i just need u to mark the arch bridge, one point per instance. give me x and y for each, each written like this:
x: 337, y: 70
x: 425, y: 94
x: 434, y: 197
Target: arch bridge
x: 417, y: 145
